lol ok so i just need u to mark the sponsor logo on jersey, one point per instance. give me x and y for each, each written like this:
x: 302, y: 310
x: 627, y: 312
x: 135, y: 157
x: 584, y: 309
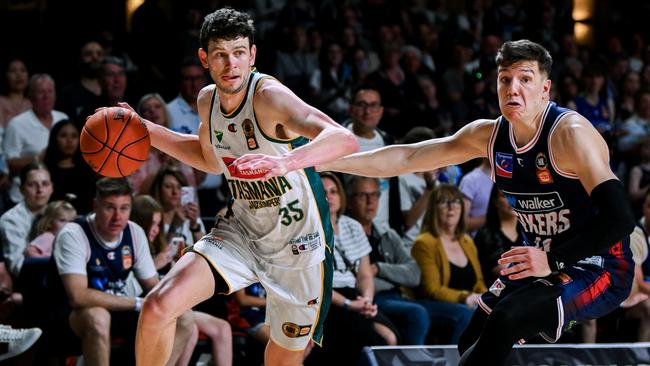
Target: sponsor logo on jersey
x: 497, y: 287
x: 313, y: 302
x: 232, y: 127
x: 110, y: 255
x: 564, y: 278
x: 219, y: 136
x: 504, y: 165
x: 242, y: 174
x: 293, y: 330
x: 305, y: 243
x: 542, y: 172
x: 249, y: 134
x: 534, y: 202
x: 213, y: 240
x: 127, y: 257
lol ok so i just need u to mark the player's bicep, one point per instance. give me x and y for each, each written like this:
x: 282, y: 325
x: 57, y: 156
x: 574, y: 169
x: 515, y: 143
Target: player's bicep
x: 579, y: 149
x: 275, y: 102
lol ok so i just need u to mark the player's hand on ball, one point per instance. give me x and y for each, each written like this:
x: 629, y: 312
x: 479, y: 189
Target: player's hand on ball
x: 275, y: 165
x: 528, y: 262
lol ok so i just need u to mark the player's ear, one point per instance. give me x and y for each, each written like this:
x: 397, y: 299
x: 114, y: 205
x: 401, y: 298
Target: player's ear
x: 547, y: 87
x: 203, y: 56
x: 253, y: 54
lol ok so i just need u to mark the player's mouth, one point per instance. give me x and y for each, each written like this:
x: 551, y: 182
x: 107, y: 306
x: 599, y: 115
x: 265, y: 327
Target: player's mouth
x: 229, y: 78
x: 513, y: 104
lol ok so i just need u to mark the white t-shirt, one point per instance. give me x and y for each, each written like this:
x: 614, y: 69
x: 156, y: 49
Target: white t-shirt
x: 72, y: 250
x: 411, y: 187
x: 15, y: 225
x: 382, y: 216
x: 26, y: 135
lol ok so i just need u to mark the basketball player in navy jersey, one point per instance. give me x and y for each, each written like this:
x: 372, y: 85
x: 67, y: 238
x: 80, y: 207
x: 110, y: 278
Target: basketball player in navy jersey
x: 278, y: 230
x: 552, y: 165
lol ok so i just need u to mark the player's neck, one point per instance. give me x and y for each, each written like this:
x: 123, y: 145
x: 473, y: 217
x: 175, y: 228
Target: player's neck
x: 230, y: 102
x: 525, y: 129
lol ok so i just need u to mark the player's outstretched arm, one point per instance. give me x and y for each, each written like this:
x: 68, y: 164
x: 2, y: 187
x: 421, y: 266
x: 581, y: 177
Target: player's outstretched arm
x: 469, y: 142
x: 281, y: 109
x: 185, y: 147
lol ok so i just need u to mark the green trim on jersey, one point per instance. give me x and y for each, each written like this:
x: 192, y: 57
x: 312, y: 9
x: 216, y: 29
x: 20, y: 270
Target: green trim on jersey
x: 241, y: 105
x: 326, y: 298
x: 292, y: 141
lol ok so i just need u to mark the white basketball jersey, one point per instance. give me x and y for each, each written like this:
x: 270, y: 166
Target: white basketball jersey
x: 286, y: 218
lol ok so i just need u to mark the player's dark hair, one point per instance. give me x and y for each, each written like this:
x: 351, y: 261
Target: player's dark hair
x: 524, y: 50
x: 227, y: 24
x: 112, y: 187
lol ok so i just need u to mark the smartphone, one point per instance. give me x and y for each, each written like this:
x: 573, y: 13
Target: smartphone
x: 175, y: 244
x: 187, y: 195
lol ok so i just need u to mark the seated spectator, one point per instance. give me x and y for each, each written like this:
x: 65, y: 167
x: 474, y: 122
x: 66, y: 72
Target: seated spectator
x: 63, y: 159
x: 178, y: 219
x: 637, y: 305
x: 152, y: 107
x: 147, y: 213
x: 16, y: 223
x: 476, y: 186
x: 452, y: 281
x: 593, y: 103
x: 10, y: 300
x: 13, y: 101
x: 353, y: 320
x: 636, y: 128
x: 94, y: 255
x: 56, y: 215
x: 27, y: 134
x: 500, y: 233
x: 252, y: 308
x: 390, y: 263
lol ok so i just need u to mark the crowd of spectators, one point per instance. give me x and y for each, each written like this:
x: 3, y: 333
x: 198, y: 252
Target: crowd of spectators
x: 413, y: 252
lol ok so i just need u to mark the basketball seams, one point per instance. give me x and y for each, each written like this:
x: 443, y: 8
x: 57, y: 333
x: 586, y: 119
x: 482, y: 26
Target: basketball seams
x: 136, y: 137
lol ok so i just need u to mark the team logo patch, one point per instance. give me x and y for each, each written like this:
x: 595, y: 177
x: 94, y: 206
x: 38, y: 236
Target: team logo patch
x: 218, y: 135
x: 249, y: 133
x: 232, y: 127
x: 504, y: 165
x: 110, y: 255
x: 313, y: 301
x: 293, y: 330
x: 127, y: 257
x: 543, y: 174
x: 243, y: 174
x: 497, y: 287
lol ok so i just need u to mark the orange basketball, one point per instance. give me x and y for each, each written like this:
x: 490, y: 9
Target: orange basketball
x: 114, y: 142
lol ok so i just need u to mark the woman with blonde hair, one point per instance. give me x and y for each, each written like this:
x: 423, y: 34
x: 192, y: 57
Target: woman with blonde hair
x: 452, y: 281
x: 55, y: 216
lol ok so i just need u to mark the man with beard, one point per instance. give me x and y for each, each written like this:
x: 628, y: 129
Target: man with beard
x: 80, y: 98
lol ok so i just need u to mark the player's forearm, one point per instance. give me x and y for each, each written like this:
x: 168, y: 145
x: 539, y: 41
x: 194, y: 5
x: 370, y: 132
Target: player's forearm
x: 330, y: 144
x: 184, y: 147
x: 381, y: 163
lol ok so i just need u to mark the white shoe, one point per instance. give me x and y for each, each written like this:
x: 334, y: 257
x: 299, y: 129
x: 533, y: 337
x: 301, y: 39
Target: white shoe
x: 18, y: 340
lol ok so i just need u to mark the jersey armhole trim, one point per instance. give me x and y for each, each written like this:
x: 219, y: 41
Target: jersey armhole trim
x: 264, y: 133
x: 550, y: 151
x: 490, y: 146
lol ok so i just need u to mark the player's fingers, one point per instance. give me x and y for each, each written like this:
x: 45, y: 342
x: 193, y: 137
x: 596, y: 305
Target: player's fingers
x: 512, y: 259
x: 125, y: 105
x: 520, y: 275
x: 514, y: 269
x: 514, y: 251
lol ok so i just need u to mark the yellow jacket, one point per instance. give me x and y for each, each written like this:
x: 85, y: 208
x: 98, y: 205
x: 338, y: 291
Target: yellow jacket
x: 434, y: 265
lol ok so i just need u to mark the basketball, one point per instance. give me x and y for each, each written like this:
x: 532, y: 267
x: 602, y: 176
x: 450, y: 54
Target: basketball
x: 114, y: 142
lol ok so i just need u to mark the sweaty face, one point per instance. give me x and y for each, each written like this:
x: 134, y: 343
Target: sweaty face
x: 229, y: 63
x: 523, y: 89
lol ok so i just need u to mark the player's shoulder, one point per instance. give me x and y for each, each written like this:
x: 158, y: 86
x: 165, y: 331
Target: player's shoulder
x: 573, y: 126
x: 207, y: 93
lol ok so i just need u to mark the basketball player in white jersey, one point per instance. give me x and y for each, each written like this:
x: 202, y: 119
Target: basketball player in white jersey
x: 277, y: 231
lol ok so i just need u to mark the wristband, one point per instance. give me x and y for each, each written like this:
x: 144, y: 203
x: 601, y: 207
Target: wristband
x: 138, y: 304
x: 346, y: 304
x: 554, y: 263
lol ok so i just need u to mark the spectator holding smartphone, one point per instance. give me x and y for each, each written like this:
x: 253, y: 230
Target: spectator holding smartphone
x: 182, y: 218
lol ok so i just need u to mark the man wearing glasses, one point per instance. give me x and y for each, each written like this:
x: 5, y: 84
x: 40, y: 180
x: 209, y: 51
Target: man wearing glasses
x: 366, y: 112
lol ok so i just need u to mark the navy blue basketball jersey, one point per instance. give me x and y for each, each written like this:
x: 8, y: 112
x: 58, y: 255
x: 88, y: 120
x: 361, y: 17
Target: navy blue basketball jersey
x: 108, y: 268
x: 551, y: 205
